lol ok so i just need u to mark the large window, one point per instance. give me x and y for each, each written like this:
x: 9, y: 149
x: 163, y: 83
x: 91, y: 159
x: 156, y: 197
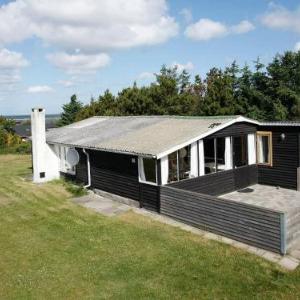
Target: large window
x: 264, y: 148
x: 209, y: 155
x: 147, y: 169
x: 214, y: 155
x: 180, y: 164
x: 240, y: 152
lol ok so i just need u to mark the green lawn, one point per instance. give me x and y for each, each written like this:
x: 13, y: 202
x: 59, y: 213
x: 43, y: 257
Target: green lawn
x: 53, y: 249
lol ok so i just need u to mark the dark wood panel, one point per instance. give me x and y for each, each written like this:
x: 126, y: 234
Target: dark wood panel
x: 150, y: 197
x: 285, y: 158
x: 235, y: 130
x: 115, y: 183
x: 253, y: 225
x: 221, y: 182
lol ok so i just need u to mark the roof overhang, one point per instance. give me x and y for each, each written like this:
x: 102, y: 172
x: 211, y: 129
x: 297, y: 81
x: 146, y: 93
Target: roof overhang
x: 213, y: 130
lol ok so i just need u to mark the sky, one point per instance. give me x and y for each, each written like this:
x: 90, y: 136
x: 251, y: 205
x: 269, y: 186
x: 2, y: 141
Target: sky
x: 51, y: 49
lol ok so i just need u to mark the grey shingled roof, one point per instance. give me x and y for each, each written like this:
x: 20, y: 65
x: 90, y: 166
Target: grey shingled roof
x: 281, y: 123
x: 144, y: 135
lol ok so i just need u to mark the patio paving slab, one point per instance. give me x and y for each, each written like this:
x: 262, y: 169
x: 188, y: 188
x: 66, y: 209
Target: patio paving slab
x: 101, y: 204
x: 275, y: 198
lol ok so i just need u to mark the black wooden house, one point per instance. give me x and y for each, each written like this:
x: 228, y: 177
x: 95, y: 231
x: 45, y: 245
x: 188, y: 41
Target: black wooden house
x: 179, y: 166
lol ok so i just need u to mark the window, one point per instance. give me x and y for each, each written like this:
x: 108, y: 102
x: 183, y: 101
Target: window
x: 240, y: 153
x: 184, y: 159
x: 209, y: 155
x: 147, y: 169
x: 214, y: 155
x: 180, y: 164
x: 264, y: 148
x: 65, y: 167
x: 220, y: 154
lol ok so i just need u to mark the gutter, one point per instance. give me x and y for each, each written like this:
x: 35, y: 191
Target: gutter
x: 88, y: 168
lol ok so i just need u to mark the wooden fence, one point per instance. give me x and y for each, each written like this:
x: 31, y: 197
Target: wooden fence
x: 260, y: 227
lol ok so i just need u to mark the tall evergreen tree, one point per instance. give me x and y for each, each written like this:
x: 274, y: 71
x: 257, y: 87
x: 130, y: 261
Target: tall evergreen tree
x: 70, y: 110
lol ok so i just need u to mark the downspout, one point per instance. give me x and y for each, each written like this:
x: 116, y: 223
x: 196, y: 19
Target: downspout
x: 88, y: 168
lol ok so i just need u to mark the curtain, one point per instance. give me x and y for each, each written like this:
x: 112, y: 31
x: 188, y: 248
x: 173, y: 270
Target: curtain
x: 194, y: 160
x: 164, y: 165
x: 251, y: 149
x: 201, y: 158
x: 261, y: 158
x: 228, y: 153
x: 141, y: 169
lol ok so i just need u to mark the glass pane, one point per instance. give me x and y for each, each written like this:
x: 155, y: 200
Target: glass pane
x: 149, y: 169
x: 240, y: 153
x: 209, y: 155
x: 220, y: 154
x: 184, y: 156
x: 263, y: 149
x: 172, y: 167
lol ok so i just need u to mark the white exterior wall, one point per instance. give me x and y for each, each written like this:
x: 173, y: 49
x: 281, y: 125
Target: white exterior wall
x: 44, y: 157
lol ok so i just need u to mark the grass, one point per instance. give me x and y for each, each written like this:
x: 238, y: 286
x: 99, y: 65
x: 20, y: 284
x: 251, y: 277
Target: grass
x: 53, y: 249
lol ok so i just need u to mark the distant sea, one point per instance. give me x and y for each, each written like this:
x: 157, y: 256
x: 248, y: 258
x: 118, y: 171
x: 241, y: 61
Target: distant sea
x: 27, y: 117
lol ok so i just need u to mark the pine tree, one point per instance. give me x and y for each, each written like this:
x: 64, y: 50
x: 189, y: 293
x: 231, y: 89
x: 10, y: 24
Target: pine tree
x: 70, y: 110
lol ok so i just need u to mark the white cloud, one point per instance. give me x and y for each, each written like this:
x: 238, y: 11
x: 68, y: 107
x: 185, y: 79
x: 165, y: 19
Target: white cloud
x: 297, y: 47
x: 187, y: 15
x: 12, y: 60
x: 206, y: 29
x: 93, y: 25
x: 66, y: 83
x: 243, y: 27
x: 146, y: 76
x: 39, y: 89
x: 180, y: 67
x: 279, y: 17
x: 79, y: 63
x: 11, y: 64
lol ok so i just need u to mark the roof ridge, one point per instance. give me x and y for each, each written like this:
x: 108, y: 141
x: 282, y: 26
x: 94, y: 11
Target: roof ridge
x: 173, y: 116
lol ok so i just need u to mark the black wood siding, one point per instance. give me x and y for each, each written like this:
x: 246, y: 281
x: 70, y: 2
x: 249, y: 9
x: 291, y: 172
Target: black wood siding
x: 115, y: 173
x: 150, y: 197
x: 256, y: 226
x: 285, y: 158
x: 221, y: 182
x: 235, y: 130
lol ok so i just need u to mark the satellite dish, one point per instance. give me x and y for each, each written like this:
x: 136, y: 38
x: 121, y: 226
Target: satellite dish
x: 72, y: 157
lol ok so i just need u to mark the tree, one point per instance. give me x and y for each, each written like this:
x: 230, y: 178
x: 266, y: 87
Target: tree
x: 269, y: 92
x: 70, y: 110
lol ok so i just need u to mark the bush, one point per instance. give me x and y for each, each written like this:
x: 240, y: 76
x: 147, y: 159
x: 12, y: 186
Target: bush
x: 24, y: 148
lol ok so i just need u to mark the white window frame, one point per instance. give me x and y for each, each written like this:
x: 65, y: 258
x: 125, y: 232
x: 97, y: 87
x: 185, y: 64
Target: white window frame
x: 140, y: 161
x: 63, y: 164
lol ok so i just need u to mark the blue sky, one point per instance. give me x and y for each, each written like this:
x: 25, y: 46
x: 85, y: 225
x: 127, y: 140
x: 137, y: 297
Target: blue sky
x: 52, y: 49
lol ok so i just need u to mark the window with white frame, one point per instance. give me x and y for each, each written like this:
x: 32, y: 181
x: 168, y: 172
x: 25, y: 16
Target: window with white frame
x: 217, y: 153
x: 180, y: 164
x: 64, y: 165
x: 147, y: 170
x: 264, y: 148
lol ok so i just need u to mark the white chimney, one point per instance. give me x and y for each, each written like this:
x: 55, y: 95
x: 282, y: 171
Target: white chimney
x: 44, y: 159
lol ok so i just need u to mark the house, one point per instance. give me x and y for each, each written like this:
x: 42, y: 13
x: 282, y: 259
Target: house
x: 23, y: 128
x: 184, y: 167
